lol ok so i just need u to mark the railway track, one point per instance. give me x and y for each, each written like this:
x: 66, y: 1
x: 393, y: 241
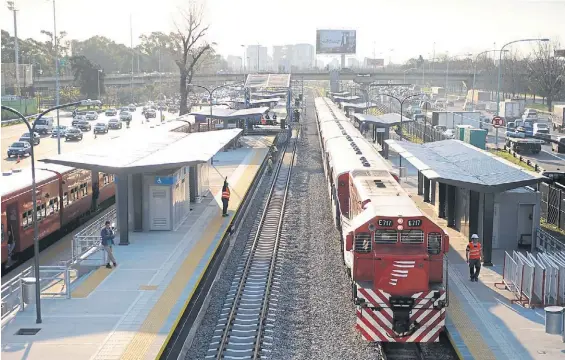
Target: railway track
x: 241, y: 330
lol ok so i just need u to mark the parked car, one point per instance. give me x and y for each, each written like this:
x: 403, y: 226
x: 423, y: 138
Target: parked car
x: 101, y: 128
x: 125, y: 116
x: 73, y: 134
x: 19, y: 148
x: 111, y: 112
x: 150, y: 114
x: 26, y: 137
x: 84, y: 126
x: 114, y: 124
x: 59, y: 129
x: 92, y: 115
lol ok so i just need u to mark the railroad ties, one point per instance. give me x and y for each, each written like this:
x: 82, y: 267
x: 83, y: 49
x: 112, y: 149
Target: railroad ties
x: 242, y: 331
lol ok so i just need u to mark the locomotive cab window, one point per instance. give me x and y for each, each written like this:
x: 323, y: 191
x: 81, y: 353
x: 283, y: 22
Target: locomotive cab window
x: 434, y: 243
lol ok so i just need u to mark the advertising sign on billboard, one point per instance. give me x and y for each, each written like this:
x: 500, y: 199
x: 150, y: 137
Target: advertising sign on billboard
x: 375, y: 62
x: 336, y: 41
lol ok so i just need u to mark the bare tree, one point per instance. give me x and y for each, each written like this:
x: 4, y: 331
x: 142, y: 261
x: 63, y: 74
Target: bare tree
x: 514, y: 81
x: 547, y: 72
x: 188, y: 46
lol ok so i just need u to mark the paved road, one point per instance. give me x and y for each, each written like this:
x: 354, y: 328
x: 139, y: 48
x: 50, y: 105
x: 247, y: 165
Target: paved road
x: 48, y: 145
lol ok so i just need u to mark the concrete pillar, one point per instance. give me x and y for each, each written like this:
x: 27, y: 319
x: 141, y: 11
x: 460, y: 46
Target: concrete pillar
x: 193, y: 183
x: 420, y: 183
x: 433, y: 192
x: 488, y: 227
x: 451, y: 205
x: 426, y: 184
x: 384, y: 145
x: 474, y: 212
x: 122, y: 208
x: 442, y: 188
x: 137, y: 190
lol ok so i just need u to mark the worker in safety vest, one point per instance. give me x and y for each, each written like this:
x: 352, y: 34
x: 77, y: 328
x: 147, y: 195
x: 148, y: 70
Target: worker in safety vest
x: 474, y: 255
x: 225, y: 197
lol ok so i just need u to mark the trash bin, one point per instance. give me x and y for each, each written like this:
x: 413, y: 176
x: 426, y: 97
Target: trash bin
x: 553, y: 320
x: 28, y: 286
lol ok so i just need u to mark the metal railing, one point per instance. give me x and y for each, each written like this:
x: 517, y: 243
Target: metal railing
x: 545, y: 242
x: 87, y: 242
x: 55, y: 282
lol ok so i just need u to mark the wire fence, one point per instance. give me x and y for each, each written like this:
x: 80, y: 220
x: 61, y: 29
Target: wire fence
x: 553, y: 205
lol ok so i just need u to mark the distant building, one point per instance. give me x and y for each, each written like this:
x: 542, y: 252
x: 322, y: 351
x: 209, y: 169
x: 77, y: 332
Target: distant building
x: 257, y: 58
x: 235, y: 63
x: 303, y: 56
x: 352, y: 63
x: 278, y: 55
x: 293, y: 57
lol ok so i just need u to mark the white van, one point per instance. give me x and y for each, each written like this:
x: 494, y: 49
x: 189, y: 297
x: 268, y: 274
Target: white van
x: 44, y: 125
x: 541, y: 130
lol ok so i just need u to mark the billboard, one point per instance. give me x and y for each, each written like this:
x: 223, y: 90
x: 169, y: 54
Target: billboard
x: 375, y: 62
x: 336, y: 41
x: 559, y: 53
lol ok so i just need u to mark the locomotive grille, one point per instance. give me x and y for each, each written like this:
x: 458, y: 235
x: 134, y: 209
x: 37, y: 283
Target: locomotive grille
x: 363, y: 242
x: 412, y: 237
x: 386, y: 237
x: 434, y: 243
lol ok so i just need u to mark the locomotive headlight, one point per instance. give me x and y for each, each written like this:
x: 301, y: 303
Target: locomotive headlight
x: 400, y: 227
x: 400, y: 221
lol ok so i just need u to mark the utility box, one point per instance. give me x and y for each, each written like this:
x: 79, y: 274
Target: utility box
x: 477, y: 138
x: 460, y: 133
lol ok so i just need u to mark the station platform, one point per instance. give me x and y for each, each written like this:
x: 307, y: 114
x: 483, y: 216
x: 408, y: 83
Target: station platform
x: 129, y: 312
x: 482, y: 323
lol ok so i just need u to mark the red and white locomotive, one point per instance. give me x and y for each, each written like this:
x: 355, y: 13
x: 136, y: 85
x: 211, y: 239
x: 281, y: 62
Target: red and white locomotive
x: 64, y: 196
x: 394, y: 253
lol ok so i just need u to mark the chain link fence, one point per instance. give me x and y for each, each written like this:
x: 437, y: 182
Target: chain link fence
x: 553, y: 205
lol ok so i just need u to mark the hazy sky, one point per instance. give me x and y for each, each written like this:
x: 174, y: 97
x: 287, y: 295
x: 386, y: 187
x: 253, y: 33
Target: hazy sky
x: 410, y: 27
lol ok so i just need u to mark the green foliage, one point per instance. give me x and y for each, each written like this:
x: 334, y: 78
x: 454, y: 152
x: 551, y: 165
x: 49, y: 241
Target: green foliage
x: 88, y: 75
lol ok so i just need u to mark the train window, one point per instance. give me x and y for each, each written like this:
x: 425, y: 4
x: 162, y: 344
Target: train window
x: 65, y: 199
x: 434, y: 243
x: 27, y: 219
x: 24, y: 219
x: 362, y: 242
x: 51, y: 207
x: 105, y: 179
x: 386, y: 236
x: 412, y: 237
x: 83, y: 189
x: 41, y: 210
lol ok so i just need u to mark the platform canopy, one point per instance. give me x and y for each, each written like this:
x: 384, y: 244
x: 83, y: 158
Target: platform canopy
x: 361, y: 105
x: 147, y: 151
x: 279, y: 81
x: 456, y: 163
x: 250, y: 111
x: 389, y: 119
x: 217, y: 112
x: 346, y: 98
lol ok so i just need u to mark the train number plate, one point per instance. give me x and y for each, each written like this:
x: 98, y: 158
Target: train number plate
x: 414, y: 223
x: 385, y: 222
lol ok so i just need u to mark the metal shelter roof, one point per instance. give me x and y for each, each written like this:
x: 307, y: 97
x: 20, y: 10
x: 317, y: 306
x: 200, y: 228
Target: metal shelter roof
x: 389, y: 119
x: 250, y: 111
x: 362, y: 105
x: 216, y: 112
x: 265, y: 101
x: 269, y: 94
x: 156, y: 151
x: 457, y: 163
x: 343, y: 93
x: 346, y: 98
x: 268, y: 81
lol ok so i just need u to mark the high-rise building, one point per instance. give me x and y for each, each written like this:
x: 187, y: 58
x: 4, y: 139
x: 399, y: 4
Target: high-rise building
x: 303, y: 56
x: 352, y: 63
x: 257, y: 58
x: 278, y: 55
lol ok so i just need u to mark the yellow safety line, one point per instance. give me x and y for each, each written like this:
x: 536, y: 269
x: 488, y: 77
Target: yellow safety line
x: 454, y: 345
x: 148, y: 331
x: 91, y: 282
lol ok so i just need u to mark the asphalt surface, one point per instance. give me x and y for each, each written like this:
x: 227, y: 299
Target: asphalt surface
x: 48, y: 145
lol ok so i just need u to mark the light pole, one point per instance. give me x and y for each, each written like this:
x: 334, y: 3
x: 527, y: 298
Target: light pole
x: 99, y: 72
x: 401, y: 115
x: 500, y: 75
x: 211, y: 92
x: 405, y: 71
x: 12, y: 7
x: 31, y: 130
x: 475, y: 74
x: 57, y: 83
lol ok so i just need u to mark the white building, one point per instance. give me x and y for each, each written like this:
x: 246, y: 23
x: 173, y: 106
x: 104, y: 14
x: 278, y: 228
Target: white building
x: 303, y: 56
x: 352, y: 63
x: 235, y: 63
x: 257, y: 58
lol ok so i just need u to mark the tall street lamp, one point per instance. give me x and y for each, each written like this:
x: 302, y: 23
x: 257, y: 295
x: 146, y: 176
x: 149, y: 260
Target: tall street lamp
x: 57, y: 82
x: 12, y: 7
x: 475, y: 74
x: 500, y: 75
x: 31, y: 130
x: 401, y: 115
x: 99, y: 72
x: 500, y: 68
x: 211, y: 92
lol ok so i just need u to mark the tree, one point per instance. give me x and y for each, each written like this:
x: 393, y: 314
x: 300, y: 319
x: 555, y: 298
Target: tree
x: 187, y: 47
x: 111, y: 56
x: 546, y: 72
x: 88, y: 75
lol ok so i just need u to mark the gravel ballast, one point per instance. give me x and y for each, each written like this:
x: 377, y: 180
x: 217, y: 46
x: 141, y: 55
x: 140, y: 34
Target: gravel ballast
x: 315, y: 315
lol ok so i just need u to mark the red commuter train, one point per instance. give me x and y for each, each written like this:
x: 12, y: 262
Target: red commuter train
x: 64, y: 196
x: 396, y: 256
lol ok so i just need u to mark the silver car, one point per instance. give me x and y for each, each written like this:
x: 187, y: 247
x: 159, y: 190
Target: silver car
x: 100, y: 128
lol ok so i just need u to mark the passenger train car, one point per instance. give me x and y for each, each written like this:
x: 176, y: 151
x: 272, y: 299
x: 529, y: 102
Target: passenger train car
x: 64, y: 196
x: 394, y: 253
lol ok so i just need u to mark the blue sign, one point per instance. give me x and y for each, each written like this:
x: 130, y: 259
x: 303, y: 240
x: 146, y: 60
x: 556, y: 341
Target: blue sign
x: 164, y: 180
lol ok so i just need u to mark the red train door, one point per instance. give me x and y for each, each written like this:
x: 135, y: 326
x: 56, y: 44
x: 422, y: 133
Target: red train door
x: 13, y: 231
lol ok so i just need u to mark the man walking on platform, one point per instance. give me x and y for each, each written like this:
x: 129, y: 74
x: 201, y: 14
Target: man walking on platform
x: 474, y: 255
x: 107, y: 235
x: 225, y: 198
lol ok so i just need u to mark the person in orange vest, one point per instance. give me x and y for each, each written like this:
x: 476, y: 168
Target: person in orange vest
x: 225, y: 198
x: 474, y: 255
